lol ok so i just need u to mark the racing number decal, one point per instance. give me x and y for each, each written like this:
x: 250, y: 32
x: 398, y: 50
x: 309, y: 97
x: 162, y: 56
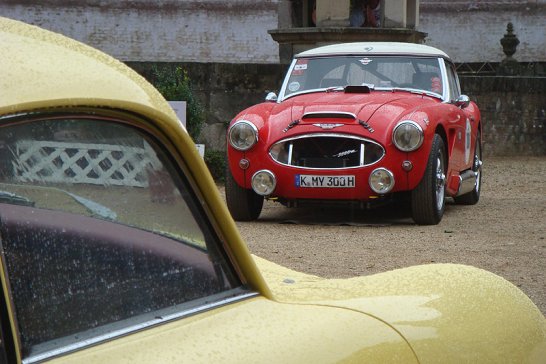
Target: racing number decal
x: 467, y: 141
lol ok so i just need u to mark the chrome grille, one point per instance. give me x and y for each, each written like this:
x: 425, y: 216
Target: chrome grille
x: 327, y: 151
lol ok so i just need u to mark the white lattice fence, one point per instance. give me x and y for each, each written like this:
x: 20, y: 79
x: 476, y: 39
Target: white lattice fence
x: 101, y: 164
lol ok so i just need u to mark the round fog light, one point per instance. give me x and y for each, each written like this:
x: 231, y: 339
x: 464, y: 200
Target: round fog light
x: 381, y: 181
x: 264, y: 182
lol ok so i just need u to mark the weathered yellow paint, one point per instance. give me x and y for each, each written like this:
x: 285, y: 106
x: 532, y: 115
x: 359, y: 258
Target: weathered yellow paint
x: 259, y: 331
x: 448, y: 313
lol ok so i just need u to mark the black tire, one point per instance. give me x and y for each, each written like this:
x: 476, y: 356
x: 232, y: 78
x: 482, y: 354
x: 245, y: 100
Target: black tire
x: 428, y: 198
x: 473, y: 197
x: 243, y: 204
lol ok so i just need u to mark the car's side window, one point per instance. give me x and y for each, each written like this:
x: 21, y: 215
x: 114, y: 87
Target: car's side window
x: 100, y: 232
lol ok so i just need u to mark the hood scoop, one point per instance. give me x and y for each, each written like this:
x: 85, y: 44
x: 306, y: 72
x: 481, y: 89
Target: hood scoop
x: 328, y: 115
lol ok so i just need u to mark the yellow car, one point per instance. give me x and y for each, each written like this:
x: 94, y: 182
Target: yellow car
x: 117, y: 248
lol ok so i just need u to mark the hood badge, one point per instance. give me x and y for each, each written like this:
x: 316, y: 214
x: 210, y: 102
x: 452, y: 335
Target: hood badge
x: 327, y: 126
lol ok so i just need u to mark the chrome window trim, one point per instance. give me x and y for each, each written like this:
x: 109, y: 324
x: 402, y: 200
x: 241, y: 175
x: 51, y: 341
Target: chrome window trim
x: 284, y: 86
x: 445, y: 82
x: 48, y: 355
x: 337, y: 135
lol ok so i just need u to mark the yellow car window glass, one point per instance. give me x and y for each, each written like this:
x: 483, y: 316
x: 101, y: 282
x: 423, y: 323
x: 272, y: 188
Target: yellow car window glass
x: 100, y: 232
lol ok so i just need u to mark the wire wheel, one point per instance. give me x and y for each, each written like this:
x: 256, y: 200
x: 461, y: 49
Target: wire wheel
x: 428, y: 198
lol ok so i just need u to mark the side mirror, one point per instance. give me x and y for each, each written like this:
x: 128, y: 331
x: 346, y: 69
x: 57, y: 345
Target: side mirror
x: 271, y: 97
x: 462, y: 101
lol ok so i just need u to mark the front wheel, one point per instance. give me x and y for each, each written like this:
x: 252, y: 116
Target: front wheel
x: 243, y: 204
x: 428, y: 198
x: 473, y: 196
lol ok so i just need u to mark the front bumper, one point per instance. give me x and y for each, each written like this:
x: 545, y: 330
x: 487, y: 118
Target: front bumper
x: 350, y: 184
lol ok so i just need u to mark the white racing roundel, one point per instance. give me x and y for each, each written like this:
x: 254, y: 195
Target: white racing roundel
x: 467, y: 141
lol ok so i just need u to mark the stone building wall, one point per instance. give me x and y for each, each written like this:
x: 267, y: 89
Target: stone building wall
x: 235, y: 31
x: 204, y: 31
x: 470, y: 30
x: 513, y: 113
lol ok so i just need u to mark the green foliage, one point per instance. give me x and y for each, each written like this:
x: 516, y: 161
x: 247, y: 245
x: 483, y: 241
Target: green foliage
x: 175, y: 85
x: 216, y: 161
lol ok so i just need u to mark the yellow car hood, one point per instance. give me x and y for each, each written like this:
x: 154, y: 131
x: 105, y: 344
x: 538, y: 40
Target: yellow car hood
x: 448, y: 313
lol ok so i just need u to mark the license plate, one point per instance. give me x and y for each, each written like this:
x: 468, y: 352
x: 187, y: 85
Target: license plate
x: 308, y: 180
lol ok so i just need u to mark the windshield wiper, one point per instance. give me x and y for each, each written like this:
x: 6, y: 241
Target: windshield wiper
x: 311, y: 91
x: 334, y: 88
x: 12, y: 198
x: 417, y: 91
x: 94, y: 207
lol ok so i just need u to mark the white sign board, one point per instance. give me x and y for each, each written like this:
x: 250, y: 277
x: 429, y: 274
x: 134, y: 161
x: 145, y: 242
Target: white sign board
x: 179, y: 108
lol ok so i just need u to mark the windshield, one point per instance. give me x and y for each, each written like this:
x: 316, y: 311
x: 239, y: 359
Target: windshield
x: 309, y: 74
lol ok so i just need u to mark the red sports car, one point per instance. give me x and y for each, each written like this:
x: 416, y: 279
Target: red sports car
x: 361, y: 123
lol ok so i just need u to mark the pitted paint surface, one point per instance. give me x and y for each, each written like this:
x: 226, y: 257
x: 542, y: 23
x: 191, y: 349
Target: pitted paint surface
x: 260, y: 331
x: 445, y: 311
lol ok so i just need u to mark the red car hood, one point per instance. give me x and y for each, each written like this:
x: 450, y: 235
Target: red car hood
x: 380, y: 109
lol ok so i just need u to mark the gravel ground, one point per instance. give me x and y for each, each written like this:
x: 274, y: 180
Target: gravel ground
x: 504, y: 233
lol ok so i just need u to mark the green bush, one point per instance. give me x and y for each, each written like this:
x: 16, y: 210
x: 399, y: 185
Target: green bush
x: 175, y: 85
x: 216, y: 161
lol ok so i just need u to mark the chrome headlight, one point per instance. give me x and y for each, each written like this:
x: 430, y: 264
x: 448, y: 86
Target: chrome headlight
x: 381, y: 180
x: 264, y: 182
x: 243, y: 135
x: 407, y: 136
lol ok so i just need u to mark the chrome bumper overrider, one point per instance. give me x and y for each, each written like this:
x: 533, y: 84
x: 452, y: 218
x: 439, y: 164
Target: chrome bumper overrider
x: 467, y: 182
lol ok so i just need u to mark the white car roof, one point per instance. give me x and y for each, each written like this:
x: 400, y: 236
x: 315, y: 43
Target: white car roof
x: 374, y: 48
